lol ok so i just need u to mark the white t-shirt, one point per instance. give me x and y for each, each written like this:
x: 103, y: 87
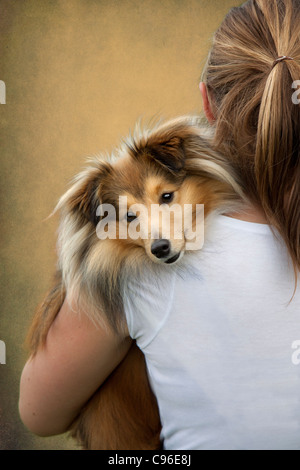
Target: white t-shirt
x: 222, y: 342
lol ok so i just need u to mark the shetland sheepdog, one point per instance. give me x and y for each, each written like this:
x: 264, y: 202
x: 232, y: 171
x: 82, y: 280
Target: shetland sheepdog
x: 167, y: 165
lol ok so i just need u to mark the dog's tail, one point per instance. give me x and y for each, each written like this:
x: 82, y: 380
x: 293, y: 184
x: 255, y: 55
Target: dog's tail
x: 45, y: 315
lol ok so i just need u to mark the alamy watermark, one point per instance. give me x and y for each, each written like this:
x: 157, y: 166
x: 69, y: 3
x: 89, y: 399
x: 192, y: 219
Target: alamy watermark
x: 296, y: 354
x: 296, y: 95
x: 154, y: 222
x: 2, y: 101
x: 2, y: 92
x: 2, y: 353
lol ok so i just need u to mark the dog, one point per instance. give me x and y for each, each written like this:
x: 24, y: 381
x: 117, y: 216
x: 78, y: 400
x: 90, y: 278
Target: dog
x: 169, y: 164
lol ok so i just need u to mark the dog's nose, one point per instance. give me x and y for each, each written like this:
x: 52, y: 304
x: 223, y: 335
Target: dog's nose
x: 161, y: 248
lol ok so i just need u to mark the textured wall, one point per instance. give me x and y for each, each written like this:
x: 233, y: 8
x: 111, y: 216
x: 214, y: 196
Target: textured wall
x: 78, y: 74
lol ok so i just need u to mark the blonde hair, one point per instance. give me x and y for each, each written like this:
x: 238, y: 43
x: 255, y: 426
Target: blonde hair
x: 257, y: 124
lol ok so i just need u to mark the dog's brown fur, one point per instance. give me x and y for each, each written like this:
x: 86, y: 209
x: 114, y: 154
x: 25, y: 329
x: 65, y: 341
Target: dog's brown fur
x: 123, y: 413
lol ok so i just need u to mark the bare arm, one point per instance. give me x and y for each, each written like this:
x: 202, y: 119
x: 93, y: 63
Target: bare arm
x: 58, y: 381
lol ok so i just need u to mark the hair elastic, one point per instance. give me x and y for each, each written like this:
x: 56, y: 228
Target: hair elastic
x: 281, y: 59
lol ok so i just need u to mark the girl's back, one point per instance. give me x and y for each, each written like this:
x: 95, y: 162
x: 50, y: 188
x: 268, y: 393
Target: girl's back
x: 220, y: 341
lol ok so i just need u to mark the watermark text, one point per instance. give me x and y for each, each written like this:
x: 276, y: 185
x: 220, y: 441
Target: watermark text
x: 296, y: 95
x: 2, y: 353
x: 2, y: 92
x: 154, y: 222
x: 296, y: 354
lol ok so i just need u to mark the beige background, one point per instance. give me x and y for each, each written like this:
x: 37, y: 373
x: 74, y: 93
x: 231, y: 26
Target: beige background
x: 78, y: 75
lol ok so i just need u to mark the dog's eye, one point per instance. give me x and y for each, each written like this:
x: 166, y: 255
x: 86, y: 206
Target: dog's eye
x: 167, y: 197
x: 131, y: 216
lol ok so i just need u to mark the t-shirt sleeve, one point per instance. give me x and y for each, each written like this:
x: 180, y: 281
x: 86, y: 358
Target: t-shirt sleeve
x: 147, y: 303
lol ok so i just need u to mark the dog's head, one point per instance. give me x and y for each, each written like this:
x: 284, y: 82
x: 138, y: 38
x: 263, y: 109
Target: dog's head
x: 147, y: 200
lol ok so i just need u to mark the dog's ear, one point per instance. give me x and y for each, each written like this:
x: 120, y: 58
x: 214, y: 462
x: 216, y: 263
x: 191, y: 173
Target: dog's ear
x: 84, y: 196
x: 169, y: 153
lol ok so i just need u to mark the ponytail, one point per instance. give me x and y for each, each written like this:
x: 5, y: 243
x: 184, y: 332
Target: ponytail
x: 277, y: 157
x: 257, y: 120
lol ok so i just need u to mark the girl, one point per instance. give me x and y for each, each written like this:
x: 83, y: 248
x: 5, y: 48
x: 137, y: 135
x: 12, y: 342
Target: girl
x: 219, y: 347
